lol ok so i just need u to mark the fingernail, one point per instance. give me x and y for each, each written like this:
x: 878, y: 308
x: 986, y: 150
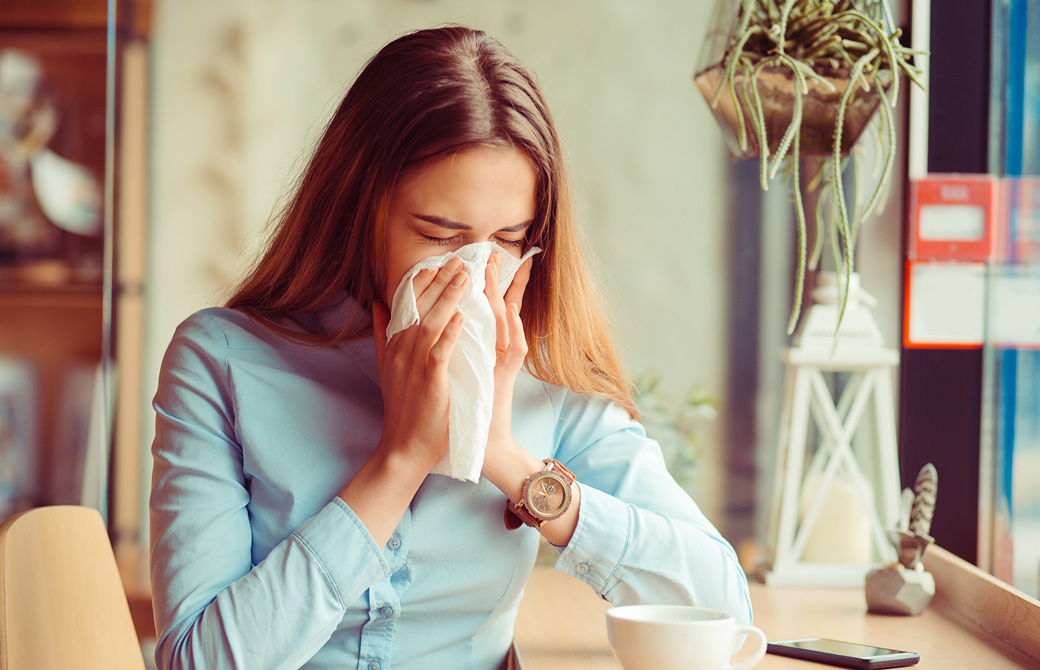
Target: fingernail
x: 459, y: 279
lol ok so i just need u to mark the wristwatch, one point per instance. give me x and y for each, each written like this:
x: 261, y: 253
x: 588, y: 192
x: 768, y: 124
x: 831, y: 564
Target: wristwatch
x: 546, y: 496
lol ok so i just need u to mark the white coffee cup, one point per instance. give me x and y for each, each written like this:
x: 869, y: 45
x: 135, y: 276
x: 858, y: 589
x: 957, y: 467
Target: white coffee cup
x: 678, y: 637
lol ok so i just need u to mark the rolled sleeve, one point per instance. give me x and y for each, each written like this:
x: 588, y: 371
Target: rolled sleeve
x: 640, y: 538
x: 213, y: 607
x: 599, y: 542
x: 345, y: 550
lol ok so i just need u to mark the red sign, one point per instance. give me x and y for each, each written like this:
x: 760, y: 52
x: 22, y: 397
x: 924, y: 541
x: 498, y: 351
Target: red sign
x: 954, y: 217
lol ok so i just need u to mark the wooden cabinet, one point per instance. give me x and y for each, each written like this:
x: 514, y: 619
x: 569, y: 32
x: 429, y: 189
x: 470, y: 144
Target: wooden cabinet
x: 133, y: 17
x: 50, y: 333
x: 68, y: 307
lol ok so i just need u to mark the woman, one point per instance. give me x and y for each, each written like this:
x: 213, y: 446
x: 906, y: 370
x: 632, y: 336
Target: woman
x: 294, y: 520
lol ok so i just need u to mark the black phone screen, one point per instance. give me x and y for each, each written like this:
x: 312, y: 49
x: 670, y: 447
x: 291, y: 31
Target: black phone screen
x: 848, y: 654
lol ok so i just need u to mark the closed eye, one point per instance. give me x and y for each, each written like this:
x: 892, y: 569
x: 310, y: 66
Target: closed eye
x: 456, y: 240
x: 449, y: 225
x: 444, y: 241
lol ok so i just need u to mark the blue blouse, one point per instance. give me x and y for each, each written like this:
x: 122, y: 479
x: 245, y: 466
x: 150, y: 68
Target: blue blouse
x: 256, y: 563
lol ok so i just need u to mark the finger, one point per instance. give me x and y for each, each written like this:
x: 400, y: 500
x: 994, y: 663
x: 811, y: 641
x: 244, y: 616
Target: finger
x: 498, y: 307
x: 432, y: 325
x: 440, y: 352
x: 439, y: 281
x: 517, y: 353
x: 422, y: 280
x: 515, y: 292
x: 380, y: 320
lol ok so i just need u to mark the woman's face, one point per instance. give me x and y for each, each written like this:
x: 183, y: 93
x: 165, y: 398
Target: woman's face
x: 475, y: 195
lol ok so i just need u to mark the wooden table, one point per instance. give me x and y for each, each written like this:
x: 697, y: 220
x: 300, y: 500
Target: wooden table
x: 975, y: 621
x: 949, y: 634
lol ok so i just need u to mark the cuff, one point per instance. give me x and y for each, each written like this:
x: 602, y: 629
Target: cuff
x: 599, y: 541
x: 338, y: 539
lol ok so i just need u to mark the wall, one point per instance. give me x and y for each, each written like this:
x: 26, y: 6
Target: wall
x: 240, y: 88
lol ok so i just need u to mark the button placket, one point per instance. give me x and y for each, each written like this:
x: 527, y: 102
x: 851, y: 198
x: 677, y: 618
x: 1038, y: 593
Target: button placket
x: 378, y: 633
x: 384, y: 606
x: 395, y: 551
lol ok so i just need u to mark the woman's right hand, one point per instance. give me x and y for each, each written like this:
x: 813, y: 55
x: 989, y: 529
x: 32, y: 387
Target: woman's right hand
x: 413, y: 377
x: 413, y: 367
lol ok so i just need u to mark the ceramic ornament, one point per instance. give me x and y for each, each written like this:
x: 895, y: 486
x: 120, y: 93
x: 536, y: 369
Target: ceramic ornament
x: 905, y: 587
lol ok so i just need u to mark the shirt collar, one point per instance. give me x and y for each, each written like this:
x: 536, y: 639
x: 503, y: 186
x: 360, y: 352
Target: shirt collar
x: 335, y: 316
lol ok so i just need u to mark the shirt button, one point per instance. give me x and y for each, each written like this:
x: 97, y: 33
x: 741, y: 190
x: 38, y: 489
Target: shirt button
x: 394, y: 543
x: 386, y: 611
x: 374, y: 665
x: 582, y: 568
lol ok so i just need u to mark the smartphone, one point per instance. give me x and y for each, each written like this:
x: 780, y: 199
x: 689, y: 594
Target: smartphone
x: 846, y: 654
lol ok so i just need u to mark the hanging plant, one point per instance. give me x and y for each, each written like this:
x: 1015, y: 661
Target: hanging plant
x: 788, y: 79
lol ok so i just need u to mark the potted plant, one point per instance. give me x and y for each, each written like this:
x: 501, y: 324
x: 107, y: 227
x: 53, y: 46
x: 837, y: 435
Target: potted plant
x: 808, y: 76
x: 675, y: 426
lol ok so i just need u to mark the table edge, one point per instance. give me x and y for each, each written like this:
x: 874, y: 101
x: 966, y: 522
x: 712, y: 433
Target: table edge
x: 986, y: 602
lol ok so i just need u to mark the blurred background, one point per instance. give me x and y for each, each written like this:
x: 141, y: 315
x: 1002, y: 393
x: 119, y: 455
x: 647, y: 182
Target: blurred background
x: 211, y: 109
x: 239, y: 90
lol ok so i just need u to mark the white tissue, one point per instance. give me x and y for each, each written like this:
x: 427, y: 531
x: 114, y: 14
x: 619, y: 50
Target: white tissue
x: 471, y: 368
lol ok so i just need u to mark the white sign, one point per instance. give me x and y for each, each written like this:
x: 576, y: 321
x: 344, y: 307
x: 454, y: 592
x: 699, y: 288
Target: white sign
x: 952, y: 222
x: 946, y: 304
x: 1013, y: 317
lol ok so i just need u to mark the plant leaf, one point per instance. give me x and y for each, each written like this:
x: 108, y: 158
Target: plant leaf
x: 890, y: 153
x: 839, y: 193
x: 794, y: 129
x: 796, y: 187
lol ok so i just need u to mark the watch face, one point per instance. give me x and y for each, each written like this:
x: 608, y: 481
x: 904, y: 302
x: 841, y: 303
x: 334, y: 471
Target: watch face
x: 547, y: 495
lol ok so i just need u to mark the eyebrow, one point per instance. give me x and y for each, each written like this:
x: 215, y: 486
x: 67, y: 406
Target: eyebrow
x: 455, y: 225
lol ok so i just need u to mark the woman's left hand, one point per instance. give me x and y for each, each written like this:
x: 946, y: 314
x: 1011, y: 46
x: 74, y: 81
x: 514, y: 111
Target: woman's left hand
x: 507, y: 464
x: 510, y: 350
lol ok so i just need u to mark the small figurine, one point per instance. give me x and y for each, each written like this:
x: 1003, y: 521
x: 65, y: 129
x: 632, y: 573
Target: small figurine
x: 904, y: 587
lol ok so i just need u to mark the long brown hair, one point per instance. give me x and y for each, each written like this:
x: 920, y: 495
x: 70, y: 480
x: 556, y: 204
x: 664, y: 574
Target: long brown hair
x: 424, y: 95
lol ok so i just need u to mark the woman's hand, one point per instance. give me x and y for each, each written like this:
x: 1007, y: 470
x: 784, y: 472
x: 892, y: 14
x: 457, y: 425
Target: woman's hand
x: 413, y: 376
x: 504, y: 459
x: 413, y: 366
x: 510, y: 343
x: 506, y: 463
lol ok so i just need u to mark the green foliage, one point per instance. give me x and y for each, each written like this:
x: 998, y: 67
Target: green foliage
x: 674, y: 426
x: 818, y: 41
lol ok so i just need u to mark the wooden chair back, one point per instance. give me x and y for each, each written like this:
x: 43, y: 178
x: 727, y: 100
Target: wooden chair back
x: 62, y: 603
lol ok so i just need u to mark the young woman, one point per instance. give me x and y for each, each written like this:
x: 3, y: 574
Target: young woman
x: 294, y: 519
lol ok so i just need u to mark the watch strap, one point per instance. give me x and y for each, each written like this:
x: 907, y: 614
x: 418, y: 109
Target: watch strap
x: 516, y: 516
x: 554, y: 465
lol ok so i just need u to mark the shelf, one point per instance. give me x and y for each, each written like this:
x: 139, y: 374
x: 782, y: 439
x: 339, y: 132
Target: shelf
x: 35, y: 296
x: 134, y: 16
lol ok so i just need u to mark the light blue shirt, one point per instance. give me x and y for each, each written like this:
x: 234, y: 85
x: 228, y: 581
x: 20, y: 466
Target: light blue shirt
x: 257, y: 564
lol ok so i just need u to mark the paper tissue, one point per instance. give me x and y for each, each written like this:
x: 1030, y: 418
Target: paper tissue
x: 471, y: 369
